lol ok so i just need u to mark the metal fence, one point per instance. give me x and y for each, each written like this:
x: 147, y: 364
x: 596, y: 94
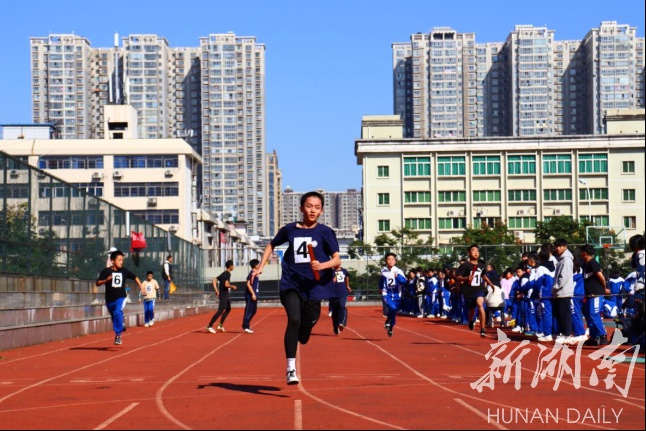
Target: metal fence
x: 49, y: 228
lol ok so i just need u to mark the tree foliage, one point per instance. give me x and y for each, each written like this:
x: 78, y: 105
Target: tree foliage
x: 506, y: 254
x: 561, y: 227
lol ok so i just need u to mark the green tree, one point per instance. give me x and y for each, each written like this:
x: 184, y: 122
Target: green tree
x: 497, y: 244
x: 23, y: 251
x: 561, y: 227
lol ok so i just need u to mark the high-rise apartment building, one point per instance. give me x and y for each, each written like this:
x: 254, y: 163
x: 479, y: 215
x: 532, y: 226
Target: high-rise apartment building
x: 212, y: 95
x: 274, y: 187
x: 447, y: 85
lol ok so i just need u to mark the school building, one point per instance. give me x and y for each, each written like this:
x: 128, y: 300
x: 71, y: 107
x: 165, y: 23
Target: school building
x: 438, y: 187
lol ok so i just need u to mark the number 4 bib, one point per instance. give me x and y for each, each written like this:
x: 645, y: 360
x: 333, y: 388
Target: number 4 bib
x: 300, y: 249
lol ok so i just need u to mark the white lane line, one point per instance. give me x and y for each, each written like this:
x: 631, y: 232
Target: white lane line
x: 159, y: 396
x: 298, y: 415
x: 479, y: 413
x: 431, y: 381
x: 332, y: 406
x: 117, y: 416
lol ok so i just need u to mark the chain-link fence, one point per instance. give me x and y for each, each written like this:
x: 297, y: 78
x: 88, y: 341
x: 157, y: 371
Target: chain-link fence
x: 49, y: 228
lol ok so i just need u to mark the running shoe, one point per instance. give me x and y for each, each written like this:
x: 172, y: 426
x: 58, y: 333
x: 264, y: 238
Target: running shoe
x: 152, y: 322
x: 147, y: 325
x: 211, y: 330
x: 117, y: 341
x: 546, y: 339
x: 248, y: 331
x: 483, y: 333
x: 471, y: 325
x: 221, y: 328
x: 390, y: 332
x: 341, y: 327
x: 292, y: 379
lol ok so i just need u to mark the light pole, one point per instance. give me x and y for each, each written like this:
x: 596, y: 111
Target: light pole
x: 585, y: 183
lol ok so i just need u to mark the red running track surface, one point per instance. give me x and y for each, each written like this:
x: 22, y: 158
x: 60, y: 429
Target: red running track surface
x: 175, y: 375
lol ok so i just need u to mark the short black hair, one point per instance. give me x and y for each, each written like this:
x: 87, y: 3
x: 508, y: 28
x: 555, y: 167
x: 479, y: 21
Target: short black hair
x: 390, y: 254
x: 587, y: 249
x: 559, y: 242
x: 114, y: 254
x: 228, y: 263
x: 312, y: 194
x: 254, y: 263
x: 636, y: 242
x: 149, y: 273
x: 473, y: 245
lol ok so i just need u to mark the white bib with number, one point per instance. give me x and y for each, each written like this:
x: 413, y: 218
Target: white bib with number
x: 117, y: 279
x: 301, y: 255
x: 477, y: 278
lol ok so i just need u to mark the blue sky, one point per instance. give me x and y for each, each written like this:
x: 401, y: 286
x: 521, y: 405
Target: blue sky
x: 328, y: 62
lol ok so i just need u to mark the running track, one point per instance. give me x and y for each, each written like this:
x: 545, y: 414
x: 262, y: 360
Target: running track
x: 175, y: 375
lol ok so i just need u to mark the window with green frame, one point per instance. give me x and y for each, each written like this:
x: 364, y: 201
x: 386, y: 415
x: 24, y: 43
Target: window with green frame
x: 383, y: 198
x: 521, y: 165
x: 630, y: 222
x: 628, y: 195
x: 384, y: 225
x: 486, y: 195
x: 599, y: 220
x: 454, y: 196
x: 557, y: 194
x: 452, y: 223
x: 521, y: 195
x: 417, y: 223
x: 557, y: 164
x: 478, y: 222
x: 593, y: 163
x: 383, y: 171
x: 451, y: 166
x: 597, y: 194
x: 522, y: 222
x: 417, y: 197
x: 417, y: 166
x: 628, y: 167
x: 486, y: 165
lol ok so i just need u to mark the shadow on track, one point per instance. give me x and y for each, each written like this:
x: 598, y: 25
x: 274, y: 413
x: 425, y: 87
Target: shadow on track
x: 250, y: 389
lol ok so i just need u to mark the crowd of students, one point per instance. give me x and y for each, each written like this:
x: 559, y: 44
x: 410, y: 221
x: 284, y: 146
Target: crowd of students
x: 551, y: 294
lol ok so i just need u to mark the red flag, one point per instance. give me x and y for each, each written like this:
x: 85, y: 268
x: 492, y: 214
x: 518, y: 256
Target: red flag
x: 137, y: 241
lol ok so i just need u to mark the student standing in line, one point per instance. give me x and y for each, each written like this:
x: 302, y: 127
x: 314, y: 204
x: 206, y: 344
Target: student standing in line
x: 251, y: 297
x: 472, y: 286
x: 339, y: 301
x: 306, y: 279
x: 563, y: 291
x: 114, y: 280
x: 149, y: 294
x: 224, y: 307
x: 391, y: 283
x: 595, y: 287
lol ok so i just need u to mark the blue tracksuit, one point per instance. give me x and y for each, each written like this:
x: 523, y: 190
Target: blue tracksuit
x: 543, y: 283
x: 391, y: 283
x: 616, y: 286
x: 528, y: 303
x: 576, y: 305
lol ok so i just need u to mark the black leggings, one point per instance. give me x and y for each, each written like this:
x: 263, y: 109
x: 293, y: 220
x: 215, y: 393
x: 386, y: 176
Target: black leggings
x: 224, y: 308
x: 302, y: 315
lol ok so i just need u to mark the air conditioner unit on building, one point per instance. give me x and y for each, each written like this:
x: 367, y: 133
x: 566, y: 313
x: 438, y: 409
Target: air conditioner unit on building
x: 172, y: 229
x: 97, y: 176
x: 450, y: 213
x: 168, y: 173
x: 558, y: 212
x: 518, y: 234
x: 42, y: 175
x: 152, y: 202
x: 117, y: 174
x: 522, y: 212
x: 93, y: 203
x: 13, y: 173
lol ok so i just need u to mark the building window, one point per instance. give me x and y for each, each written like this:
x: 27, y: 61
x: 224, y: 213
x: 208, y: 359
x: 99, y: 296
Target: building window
x: 70, y: 162
x: 596, y: 194
x: 486, y: 196
x: 479, y: 222
x: 557, y: 164
x: 628, y: 195
x: 601, y: 220
x: 457, y: 196
x: 593, y: 163
x: 417, y: 197
x: 452, y: 223
x: 486, y: 165
x: 557, y: 195
x: 630, y: 222
x: 628, y: 167
x: 383, y: 171
x: 384, y: 226
x: 417, y: 166
x: 522, y: 195
x: 521, y: 165
x: 450, y: 166
x: 384, y: 198
x: 522, y: 222
x: 417, y: 223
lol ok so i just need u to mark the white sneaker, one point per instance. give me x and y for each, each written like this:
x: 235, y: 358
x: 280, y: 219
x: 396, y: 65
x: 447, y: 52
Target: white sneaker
x: 568, y: 341
x: 292, y: 379
x: 147, y: 325
x: 517, y: 329
x: 437, y: 315
x: 330, y: 314
x: 443, y: 316
x: 211, y: 330
x: 498, y: 319
x: 221, y: 328
x: 579, y: 339
x: 540, y: 334
x: 152, y: 322
x: 420, y: 316
x: 561, y: 339
x: 545, y: 339
x: 248, y: 331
